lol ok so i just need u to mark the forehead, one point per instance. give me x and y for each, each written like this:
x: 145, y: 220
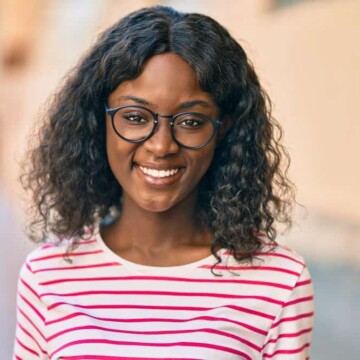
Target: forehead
x: 165, y: 78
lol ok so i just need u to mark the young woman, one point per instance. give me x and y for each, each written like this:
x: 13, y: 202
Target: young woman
x: 157, y: 172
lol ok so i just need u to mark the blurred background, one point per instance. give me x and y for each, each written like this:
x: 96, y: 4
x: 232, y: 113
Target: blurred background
x: 307, y: 55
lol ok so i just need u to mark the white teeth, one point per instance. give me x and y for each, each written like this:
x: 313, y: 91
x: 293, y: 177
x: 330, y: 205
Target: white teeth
x: 158, y: 173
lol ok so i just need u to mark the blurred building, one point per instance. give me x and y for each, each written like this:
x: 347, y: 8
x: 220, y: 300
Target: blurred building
x: 307, y: 55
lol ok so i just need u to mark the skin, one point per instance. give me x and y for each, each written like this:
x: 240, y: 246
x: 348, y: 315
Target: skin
x: 157, y: 226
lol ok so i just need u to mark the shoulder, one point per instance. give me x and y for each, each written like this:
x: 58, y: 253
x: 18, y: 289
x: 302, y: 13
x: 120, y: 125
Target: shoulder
x: 57, y: 254
x: 280, y: 255
x: 272, y: 254
x: 274, y: 263
x: 286, y: 261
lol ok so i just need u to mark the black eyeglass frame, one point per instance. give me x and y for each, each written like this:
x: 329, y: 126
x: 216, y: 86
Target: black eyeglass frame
x: 112, y: 111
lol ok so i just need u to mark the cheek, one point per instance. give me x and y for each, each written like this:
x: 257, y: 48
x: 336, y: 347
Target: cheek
x: 119, y: 153
x: 202, y: 162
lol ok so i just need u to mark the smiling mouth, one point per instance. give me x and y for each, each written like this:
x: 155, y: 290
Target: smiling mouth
x: 159, y: 173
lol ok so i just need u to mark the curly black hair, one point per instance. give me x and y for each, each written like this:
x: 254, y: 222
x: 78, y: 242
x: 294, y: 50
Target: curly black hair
x: 245, y: 191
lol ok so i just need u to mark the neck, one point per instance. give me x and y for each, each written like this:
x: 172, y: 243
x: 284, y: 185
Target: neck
x: 158, y: 232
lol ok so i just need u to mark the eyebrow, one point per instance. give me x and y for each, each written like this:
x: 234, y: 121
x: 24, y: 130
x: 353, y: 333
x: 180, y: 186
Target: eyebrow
x: 184, y: 105
x: 189, y: 104
x: 137, y: 100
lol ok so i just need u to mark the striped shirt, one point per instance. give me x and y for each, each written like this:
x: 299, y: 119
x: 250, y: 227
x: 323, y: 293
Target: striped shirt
x: 102, y: 307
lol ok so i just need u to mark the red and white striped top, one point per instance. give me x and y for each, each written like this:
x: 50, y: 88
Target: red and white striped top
x: 102, y: 307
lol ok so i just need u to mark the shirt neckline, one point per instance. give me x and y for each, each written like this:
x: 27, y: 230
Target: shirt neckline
x: 147, y: 269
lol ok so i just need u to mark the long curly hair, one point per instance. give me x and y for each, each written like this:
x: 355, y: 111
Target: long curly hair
x: 245, y: 191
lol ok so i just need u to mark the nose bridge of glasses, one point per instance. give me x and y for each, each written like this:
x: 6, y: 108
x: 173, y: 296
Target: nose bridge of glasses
x: 169, y: 117
x: 167, y: 126
x: 166, y: 117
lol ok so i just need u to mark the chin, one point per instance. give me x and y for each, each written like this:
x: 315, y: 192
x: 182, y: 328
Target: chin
x: 156, y: 206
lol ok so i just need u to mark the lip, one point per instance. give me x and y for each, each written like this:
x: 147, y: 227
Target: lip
x: 160, y: 182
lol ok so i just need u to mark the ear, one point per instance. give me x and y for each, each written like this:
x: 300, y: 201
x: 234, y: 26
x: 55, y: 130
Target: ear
x: 225, y: 127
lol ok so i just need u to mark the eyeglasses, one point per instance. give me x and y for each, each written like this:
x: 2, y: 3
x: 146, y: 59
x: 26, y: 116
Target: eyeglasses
x: 136, y: 124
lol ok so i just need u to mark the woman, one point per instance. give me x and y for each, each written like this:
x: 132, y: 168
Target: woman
x: 158, y: 173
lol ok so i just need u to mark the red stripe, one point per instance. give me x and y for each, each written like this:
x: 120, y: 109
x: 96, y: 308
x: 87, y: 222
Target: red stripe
x: 279, y: 255
x: 289, y: 351
x: 32, y: 351
x: 289, y: 335
x: 167, y: 278
x: 164, y: 320
x: 62, y: 255
x: 47, y: 246
x: 104, y: 357
x: 166, y: 293
x: 81, y: 242
x: 31, y: 322
x: 160, y: 332
x: 249, y: 311
x: 302, y: 283
x: 271, y: 253
x: 86, y: 242
x: 155, y: 307
x: 28, y: 267
x: 36, y: 311
x: 77, y: 267
x: 29, y: 287
x: 267, y: 268
x: 180, y: 343
x: 293, y: 318
x: 297, y: 301
x: 32, y: 337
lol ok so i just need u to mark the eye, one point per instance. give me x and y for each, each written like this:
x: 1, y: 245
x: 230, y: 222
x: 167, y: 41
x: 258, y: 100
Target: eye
x: 192, y: 122
x: 135, y: 119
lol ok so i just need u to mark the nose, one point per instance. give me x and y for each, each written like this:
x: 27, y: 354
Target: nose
x: 161, y: 143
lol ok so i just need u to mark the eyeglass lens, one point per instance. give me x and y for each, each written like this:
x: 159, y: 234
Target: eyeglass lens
x: 190, y: 129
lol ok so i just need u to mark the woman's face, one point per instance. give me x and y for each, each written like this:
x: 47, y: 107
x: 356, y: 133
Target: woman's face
x: 167, y: 85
